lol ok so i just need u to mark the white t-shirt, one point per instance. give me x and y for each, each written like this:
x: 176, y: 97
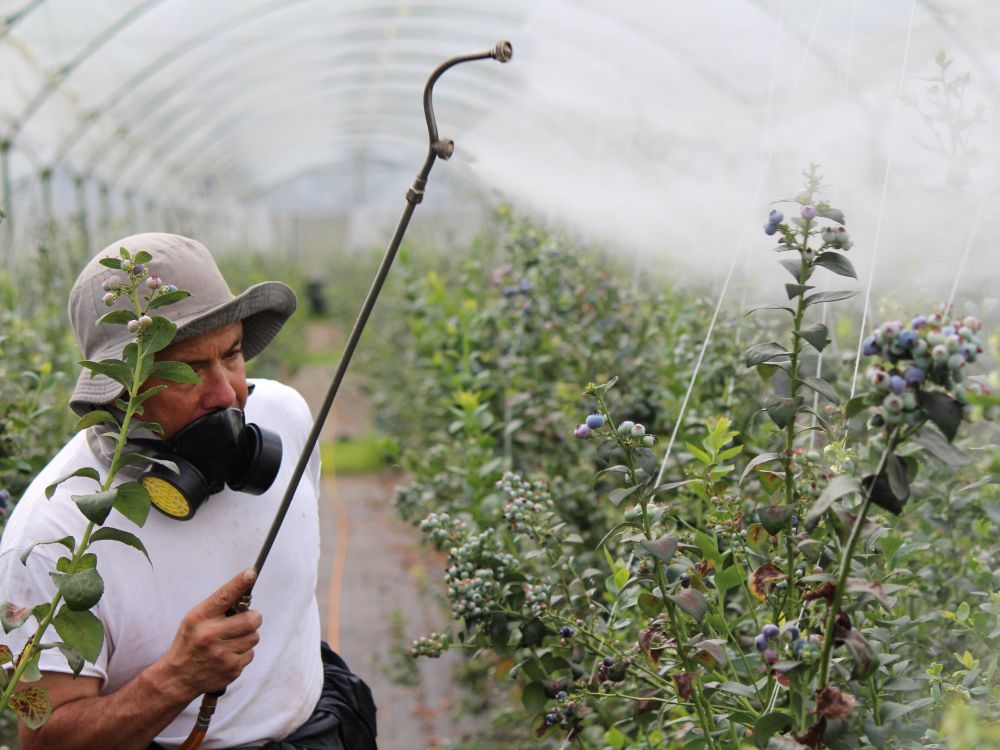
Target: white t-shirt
x: 143, y: 604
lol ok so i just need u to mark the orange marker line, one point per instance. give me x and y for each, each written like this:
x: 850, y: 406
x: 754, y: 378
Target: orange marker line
x: 339, y: 563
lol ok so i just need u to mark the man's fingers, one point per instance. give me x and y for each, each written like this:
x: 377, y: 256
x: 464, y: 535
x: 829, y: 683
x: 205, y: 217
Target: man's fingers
x: 229, y: 594
x: 237, y: 626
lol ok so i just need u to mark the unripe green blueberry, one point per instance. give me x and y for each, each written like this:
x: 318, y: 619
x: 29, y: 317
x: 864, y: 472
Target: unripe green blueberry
x: 625, y: 427
x: 939, y: 353
x: 649, y: 441
x: 909, y: 400
x: 108, y: 299
x: 637, y: 431
x: 133, y: 326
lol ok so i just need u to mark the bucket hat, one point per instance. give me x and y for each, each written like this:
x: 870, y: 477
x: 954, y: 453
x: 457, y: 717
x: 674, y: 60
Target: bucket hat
x: 188, y: 265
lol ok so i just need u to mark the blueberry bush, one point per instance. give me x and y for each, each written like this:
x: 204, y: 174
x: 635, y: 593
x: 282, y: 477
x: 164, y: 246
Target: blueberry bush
x: 812, y: 565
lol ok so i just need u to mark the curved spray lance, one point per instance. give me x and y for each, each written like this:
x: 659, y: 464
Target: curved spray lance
x: 501, y: 51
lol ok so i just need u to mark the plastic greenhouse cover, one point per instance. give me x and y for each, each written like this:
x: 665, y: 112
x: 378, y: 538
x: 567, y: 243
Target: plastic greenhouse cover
x: 649, y: 123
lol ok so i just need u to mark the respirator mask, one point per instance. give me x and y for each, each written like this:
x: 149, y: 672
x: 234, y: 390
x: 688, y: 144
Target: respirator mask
x: 214, y: 451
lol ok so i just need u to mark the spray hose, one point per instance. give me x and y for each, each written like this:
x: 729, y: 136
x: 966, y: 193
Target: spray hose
x: 501, y: 51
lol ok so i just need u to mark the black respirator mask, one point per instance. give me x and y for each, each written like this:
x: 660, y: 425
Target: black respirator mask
x: 213, y: 451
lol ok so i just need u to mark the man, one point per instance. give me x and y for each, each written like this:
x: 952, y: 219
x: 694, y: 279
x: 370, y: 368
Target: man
x: 168, y: 638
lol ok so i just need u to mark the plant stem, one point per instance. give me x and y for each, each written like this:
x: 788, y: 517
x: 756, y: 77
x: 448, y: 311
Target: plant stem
x: 845, y: 564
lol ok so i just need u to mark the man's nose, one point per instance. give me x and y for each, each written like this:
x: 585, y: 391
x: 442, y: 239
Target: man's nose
x: 217, y: 390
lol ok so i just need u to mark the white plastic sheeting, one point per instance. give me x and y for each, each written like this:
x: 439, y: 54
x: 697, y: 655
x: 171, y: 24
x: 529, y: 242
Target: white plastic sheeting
x: 656, y: 125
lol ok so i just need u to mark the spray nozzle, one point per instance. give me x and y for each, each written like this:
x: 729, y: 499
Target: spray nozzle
x: 503, y: 51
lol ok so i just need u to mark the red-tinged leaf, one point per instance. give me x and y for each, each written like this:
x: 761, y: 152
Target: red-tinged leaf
x: 32, y: 706
x: 709, y: 652
x: 6, y: 657
x: 684, y: 683
x: 825, y: 590
x: 13, y: 616
x: 763, y: 579
x: 863, y: 656
x: 663, y: 548
x: 756, y: 535
x: 833, y: 704
x: 872, y: 588
x: 691, y: 601
x: 775, y: 518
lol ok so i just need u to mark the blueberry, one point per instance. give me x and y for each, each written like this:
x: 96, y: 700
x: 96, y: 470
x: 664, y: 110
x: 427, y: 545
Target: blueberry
x: 608, y: 661
x: 893, y: 403
x: 897, y: 384
x: 154, y: 282
x: 170, y: 288
x: 551, y: 719
x: 566, y: 631
x: 525, y: 286
x: 870, y: 347
x: 829, y: 235
x: 138, y: 268
x: 770, y: 229
x: 685, y: 581
x: 770, y: 631
x: 649, y: 441
x: 595, y: 421
x: 770, y: 656
x: 808, y: 212
x: 561, y: 695
x: 582, y: 432
x: 948, y: 330
x: 625, y: 427
x: 4, y: 498
x: 637, y: 431
x: 108, y: 299
x: 797, y: 648
x: 906, y: 339
x: 775, y: 217
x: 919, y: 321
x: 791, y: 633
x: 913, y: 375
x: 760, y: 642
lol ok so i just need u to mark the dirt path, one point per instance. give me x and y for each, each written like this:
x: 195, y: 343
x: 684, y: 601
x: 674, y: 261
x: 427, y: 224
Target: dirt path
x: 379, y: 588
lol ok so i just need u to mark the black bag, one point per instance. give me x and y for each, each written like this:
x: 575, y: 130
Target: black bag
x: 344, y: 717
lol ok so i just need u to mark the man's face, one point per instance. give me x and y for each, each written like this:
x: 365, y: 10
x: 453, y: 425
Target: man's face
x: 217, y: 358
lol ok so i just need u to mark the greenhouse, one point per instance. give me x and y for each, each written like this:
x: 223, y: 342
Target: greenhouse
x: 499, y: 375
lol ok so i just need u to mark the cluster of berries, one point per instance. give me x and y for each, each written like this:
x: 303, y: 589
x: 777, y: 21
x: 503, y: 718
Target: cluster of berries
x: 115, y: 286
x: 473, y: 576
x: 593, y: 422
x: 412, y: 500
x: 626, y: 429
x: 931, y: 349
x: 443, y: 529
x: 612, y: 670
x: 568, y: 710
x: 536, y: 596
x: 767, y: 641
x: 431, y: 646
x: 525, y: 500
x: 512, y: 291
x: 836, y: 237
x: 774, y: 220
x: 565, y: 633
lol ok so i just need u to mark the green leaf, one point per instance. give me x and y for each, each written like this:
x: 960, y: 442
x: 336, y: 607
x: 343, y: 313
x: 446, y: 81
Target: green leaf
x: 838, y: 487
x: 112, y: 368
x: 770, y: 724
x: 837, y: 263
x: 662, y: 549
x: 821, y: 387
x: 793, y: 266
x: 13, y: 616
x: 117, y: 535
x: 729, y: 578
x: 86, y: 471
x: 855, y: 406
x: 650, y: 604
x: 110, y: 263
x: 138, y: 458
x: 117, y: 317
x: 767, y: 371
x: 617, y: 495
x: 760, y: 353
x: 796, y: 290
x: 782, y: 412
x: 98, y: 416
x: 834, y: 214
x: 160, y: 333
x: 81, y: 590
x: 817, y: 335
x: 775, y: 518
x: 80, y: 630
x: 32, y: 706
x: 533, y: 697
x: 133, y: 502
x: 871, y: 588
x: 787, y: 309
x: 691, y: 601
x: 142, y: 257
x: 938, y: 446
x: 699, y: 453
x: 97, y: 506
x: 67, y: 541
x: 647, y: 460
x: 708, y: 547
x: 168, y: 298
x: 178, y: 372
x: 943, y: 411
x: 782, y: 742
x: 763, y: 458
x: 963, y: 612
x: 147, y: 394
x: 533, y: 633
x: 821, y: 297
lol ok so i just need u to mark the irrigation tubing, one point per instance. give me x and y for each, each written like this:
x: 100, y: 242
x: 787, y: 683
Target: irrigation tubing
x: 502, y: 52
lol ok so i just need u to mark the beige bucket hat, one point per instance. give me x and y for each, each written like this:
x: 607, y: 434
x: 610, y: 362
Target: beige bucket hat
x: 188, y: 265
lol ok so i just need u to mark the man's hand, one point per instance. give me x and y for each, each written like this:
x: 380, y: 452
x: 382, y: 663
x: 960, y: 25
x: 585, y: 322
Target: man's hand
x: 211, y: 649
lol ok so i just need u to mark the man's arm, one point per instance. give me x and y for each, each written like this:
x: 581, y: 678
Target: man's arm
x: 209, y: 651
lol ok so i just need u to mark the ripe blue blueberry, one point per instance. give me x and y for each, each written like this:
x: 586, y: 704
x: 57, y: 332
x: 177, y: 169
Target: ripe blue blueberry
x: 551, y: 719
x: 919, y: 321
x: 561, y: 695
x: 906, y: 339
x: 770, y: 229
x: 775, y: 217
x: 608, y: 661
x: 760, y: 642
x: 870, y: 347
x: 897, y: 384
x: 569, y: 712
x: 138, y: 268
x: 595, y: 421
x: 566, y: 631
x: 913, y: 375
x: 770, y: 631
x: 797, y: 648
x: 791, y: 633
